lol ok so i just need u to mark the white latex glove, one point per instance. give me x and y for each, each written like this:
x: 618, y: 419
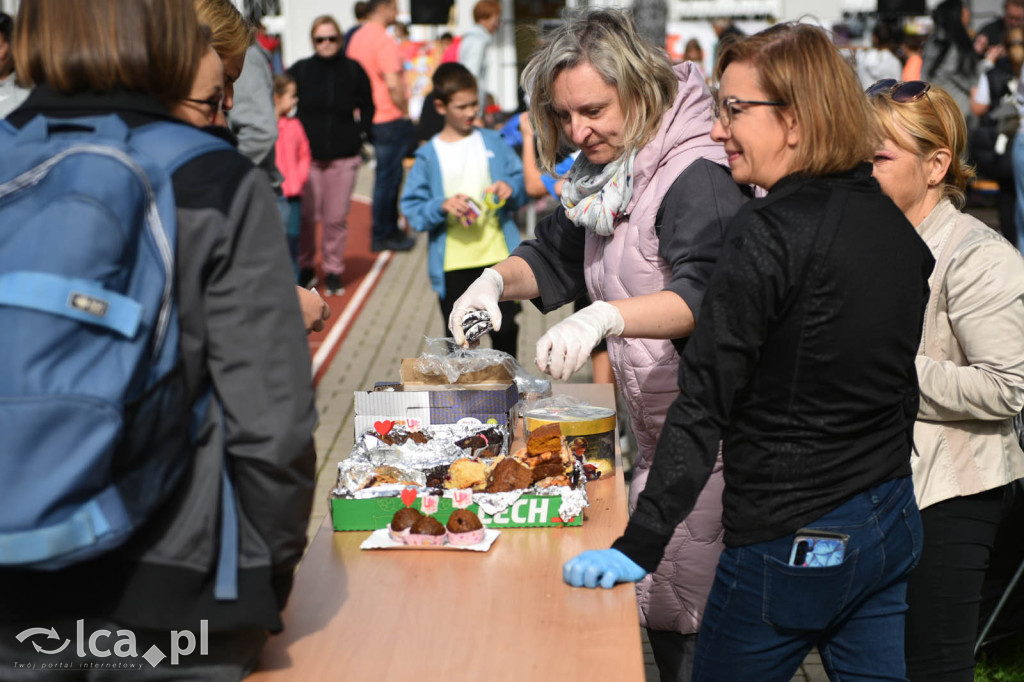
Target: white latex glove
x: 482, y: 294
x: 565, y: 348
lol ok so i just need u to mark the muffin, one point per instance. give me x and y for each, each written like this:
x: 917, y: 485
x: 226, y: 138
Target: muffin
x: 426, y: 531
x: 402, y: 522
x: 464, y: 528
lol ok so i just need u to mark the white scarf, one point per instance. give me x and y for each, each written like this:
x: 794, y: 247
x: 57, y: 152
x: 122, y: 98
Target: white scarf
x: 595, y: 196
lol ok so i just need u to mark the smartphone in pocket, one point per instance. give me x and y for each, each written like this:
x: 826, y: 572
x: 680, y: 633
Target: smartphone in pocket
x: 817, y: 548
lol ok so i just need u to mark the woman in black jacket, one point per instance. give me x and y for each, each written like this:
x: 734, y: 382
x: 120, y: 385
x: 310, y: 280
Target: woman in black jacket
x: 803, y: 368
x: 336, y: 110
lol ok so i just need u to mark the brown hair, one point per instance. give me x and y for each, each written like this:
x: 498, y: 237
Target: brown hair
x: 609, y: 41
x: 281, y: 83
x: 485, y: 9
x: 799, y: 64
x: 152, y: 46
x: 932, y: 122
x: 232, y: 34
x: 320, y: 21
x: 450, y: 78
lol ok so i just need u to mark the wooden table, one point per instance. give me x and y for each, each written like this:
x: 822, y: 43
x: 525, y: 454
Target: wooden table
x: 452, y: 616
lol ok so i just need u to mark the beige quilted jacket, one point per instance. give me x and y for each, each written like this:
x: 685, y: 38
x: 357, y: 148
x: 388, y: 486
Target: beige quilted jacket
x: 971, y: 361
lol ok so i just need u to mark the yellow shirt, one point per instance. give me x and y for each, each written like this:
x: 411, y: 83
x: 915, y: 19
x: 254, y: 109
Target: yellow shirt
x: 465, y: 170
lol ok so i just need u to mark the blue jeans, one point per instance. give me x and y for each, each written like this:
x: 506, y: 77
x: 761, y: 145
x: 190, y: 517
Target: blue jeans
x: 1018, y: 181
x: 391, y: 140
x: 764, y: 616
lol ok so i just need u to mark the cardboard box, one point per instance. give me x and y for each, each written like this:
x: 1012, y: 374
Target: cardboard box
x: 493, y: 374
x: 418, y: 406
x: 529, y: 511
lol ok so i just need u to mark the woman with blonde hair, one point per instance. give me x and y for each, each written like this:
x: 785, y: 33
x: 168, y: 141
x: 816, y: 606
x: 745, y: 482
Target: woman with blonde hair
x: 803, y: 367
x: 645, y: 206
x: 231, y: 37
x: 970, y: 367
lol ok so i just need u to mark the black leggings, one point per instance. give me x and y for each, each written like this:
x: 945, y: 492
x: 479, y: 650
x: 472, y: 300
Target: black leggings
x: 944, y: 591
x: 455, y: 284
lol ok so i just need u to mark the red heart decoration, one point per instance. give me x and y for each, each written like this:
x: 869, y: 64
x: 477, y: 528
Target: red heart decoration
x: 384, y: 427
x: 408, y: 496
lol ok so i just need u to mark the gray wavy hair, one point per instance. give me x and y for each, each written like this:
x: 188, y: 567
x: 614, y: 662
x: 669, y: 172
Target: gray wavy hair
x: 609, y: 41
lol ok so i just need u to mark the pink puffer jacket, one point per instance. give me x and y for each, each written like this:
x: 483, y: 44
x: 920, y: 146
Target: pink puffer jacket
x: 627, y: 264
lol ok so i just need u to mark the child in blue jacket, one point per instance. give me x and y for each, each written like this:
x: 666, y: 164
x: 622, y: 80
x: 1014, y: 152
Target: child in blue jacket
x: 463, y: 190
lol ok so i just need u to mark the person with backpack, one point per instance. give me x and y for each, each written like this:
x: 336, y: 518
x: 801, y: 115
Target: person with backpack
x: 198, y: 496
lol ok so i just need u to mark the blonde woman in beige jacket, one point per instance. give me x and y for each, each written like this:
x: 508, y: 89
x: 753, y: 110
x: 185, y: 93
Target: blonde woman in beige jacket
x: 971, y: 371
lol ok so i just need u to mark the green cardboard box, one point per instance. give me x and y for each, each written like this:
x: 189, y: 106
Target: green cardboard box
x: 529, y: 511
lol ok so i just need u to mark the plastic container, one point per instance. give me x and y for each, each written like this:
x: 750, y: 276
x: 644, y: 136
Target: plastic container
x: 586, y: 428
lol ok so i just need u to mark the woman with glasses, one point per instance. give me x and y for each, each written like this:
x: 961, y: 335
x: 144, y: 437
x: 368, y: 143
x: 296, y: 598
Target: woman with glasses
x: 803, y: 367
x: 230, y: 36
x: 970, y: 368
x: 134, y: 60
x: 205, y: 99
x: 645, y: 207
x: 336, y: 111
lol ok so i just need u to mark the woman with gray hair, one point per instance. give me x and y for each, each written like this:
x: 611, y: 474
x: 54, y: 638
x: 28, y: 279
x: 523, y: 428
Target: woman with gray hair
x: 644, y: 210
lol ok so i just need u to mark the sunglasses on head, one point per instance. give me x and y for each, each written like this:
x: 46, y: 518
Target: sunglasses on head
x: 326, y: 39
x: 900, y: 92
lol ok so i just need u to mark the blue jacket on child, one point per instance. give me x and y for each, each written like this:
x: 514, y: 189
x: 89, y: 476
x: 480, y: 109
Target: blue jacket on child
x: 424, y: 194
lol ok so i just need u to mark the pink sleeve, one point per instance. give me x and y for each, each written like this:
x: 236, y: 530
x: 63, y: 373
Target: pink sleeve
x: 293, y: 156
x: 305, y: 159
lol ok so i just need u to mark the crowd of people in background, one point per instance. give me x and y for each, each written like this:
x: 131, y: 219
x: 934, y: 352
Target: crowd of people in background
x: 812, y: 340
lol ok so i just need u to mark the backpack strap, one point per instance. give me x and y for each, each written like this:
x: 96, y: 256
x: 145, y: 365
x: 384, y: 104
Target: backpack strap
x: 172, y: 145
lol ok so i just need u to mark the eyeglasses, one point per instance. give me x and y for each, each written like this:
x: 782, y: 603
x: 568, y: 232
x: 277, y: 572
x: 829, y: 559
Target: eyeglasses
x: 215, y: 103
x: 326, y: 39
x: 900, y: 92
x: 728, y: 109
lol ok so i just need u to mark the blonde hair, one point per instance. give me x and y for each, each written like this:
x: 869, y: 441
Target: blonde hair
x: 322, y: 20
x: 799, y: 64
x: 608, y: 40
x: 151, y: 46
x: 932, y: 122
x: 232, y: 34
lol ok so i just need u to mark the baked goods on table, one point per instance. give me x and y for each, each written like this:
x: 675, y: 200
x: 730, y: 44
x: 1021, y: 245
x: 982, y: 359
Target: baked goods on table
x: 464, y: 528
x: 508, y: 475
x: 426, y: 531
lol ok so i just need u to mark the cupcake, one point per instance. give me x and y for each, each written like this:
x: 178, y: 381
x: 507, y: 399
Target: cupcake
x: 464, y: 528
x: 426, y: 531
x: 401, y: 523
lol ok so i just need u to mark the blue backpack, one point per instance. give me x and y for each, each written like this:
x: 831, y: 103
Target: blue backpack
x: 94, y: 416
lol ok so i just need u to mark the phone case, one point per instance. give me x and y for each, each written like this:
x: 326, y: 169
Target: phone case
x: 817, y: 548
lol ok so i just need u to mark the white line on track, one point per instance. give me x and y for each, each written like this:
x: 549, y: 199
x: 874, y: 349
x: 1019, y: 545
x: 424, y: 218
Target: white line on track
x: 347, y: 315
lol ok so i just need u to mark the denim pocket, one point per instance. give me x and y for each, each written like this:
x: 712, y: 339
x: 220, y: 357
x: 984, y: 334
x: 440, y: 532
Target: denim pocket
x: 800, y: 598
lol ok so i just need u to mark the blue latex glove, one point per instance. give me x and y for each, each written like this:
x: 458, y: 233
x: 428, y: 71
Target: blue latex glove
x: 601, y: 566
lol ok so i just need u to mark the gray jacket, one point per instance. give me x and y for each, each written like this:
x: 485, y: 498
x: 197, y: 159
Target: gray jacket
x: 252, y: 119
